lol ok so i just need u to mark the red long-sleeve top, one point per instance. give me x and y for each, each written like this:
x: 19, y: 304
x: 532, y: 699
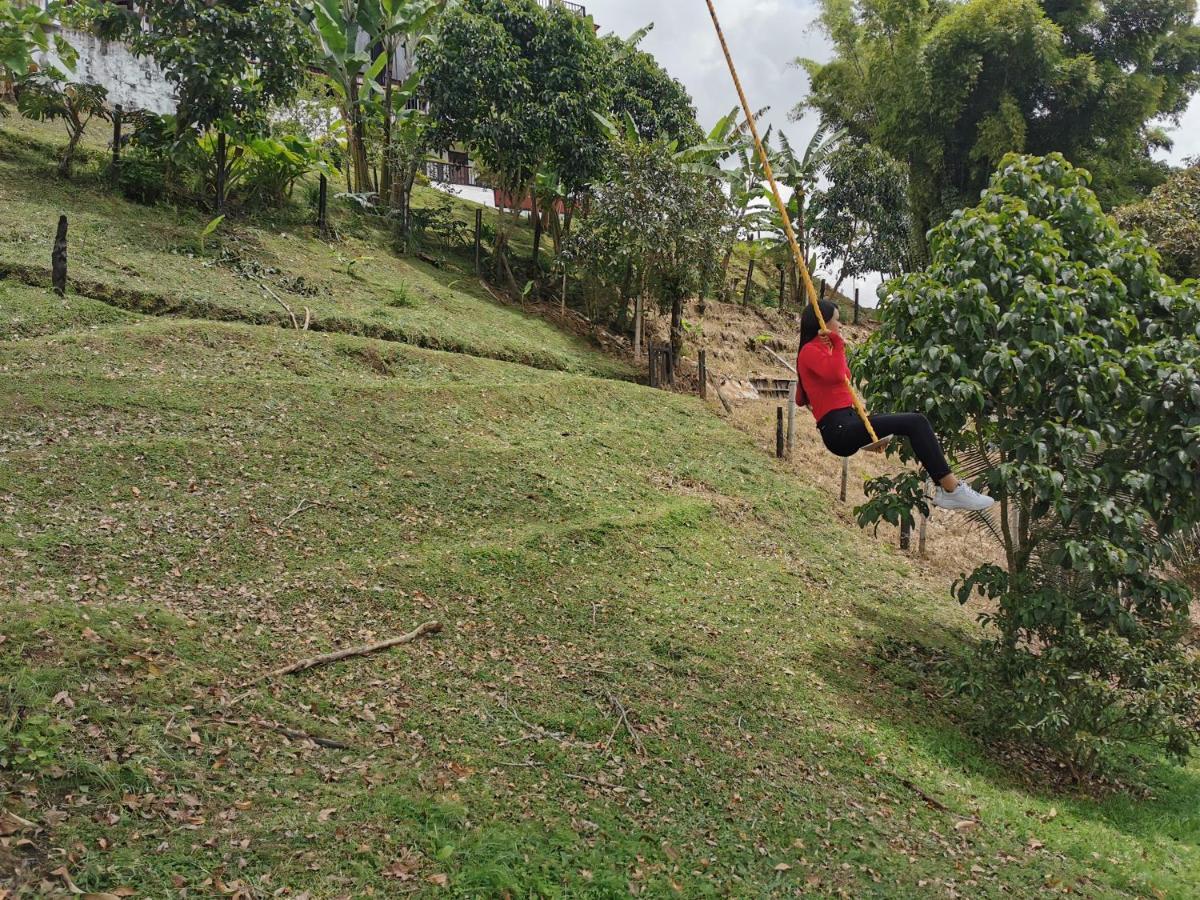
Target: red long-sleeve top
x: 822, y: 372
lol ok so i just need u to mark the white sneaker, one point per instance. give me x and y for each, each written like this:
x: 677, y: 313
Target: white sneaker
x: 964, y: 497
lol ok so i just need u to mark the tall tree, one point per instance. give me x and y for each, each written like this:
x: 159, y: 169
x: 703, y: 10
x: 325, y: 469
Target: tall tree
x: 518, y: 85
x: 859, y: 218
x: 949, y: 88
x: 659, y: 105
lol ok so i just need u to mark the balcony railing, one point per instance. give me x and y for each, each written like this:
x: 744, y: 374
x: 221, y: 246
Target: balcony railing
x: 578, y: 8
x: 443, y: 172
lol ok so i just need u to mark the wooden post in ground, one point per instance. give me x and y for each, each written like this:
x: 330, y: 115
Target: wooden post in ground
x: 782, y: 288
x: 478, y: 240
x: 222, y: 157
x: 703, y: 374
x: 779, y: 447
x: 821, y: 289
x: 856, y: 306
x: 845, y: 478
x: 323, y: 206
x: 58, y: 259
x: 116, y: 147
x: 652, y: 361
x: 791, y: 429
x: 924, y: 524
x: 749, y: 284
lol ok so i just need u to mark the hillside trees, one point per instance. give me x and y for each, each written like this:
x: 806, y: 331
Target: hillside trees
x: 859, y: 218
x: 948, y: 89
x: 659, y: 105
x: 1060, y: 364
x: 355, y: 45
x: 518, y: 84
x: 657, y: 228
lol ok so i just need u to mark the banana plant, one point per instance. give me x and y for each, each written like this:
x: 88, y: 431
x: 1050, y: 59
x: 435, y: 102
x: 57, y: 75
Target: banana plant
x: 345, y: 33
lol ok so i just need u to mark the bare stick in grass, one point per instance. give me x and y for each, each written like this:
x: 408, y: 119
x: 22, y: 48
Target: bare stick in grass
x: 313, y: 662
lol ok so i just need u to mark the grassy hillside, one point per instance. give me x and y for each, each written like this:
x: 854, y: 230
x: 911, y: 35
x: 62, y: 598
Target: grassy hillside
x: 150, y: 259
x: 666, y: 668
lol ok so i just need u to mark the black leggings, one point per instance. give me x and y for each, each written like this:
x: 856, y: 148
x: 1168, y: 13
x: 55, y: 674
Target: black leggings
x: 845, y: 434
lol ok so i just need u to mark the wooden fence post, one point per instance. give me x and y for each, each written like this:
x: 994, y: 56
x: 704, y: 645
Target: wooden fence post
x: 845, y: 477
x: 703, y: 374
x: 856, y: 306
x: 653, y: 361
x: 116, y: 147
x: 749, y: 284
x: 323, y: 206
x: 58, y: 259
x: 924, y: 523
x: 779, y: 448
x: 478, y: 239
x: 821, y: 290
x: 791, y: 429
x: 222, y: 157
x: 782, y: 288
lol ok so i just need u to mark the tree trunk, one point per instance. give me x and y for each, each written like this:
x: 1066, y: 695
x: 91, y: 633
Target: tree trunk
x: 638, y: 325
x: 385, y: 163
x: 64, y: 164
x: 536, y: 217
x: 676, y: 331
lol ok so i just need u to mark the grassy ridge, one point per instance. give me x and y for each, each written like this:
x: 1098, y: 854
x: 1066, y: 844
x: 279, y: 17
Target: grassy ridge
x: 150, y: 259
x: 188, y: 504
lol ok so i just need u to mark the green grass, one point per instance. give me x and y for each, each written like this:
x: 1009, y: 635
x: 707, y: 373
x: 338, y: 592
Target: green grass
x: 149, y: 259
x: 188, y: 503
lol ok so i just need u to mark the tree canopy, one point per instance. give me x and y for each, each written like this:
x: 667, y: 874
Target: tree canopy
x: 1170, y: 216
x: 659, y: 105
x: 949, y: 88
x: 1058, y: 363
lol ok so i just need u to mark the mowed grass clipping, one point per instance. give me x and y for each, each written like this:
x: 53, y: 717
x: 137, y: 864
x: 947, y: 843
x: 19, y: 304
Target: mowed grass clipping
x: 666, y: 670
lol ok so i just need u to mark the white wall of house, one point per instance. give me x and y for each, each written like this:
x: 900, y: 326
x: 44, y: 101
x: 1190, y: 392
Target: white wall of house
x: 135, y: 83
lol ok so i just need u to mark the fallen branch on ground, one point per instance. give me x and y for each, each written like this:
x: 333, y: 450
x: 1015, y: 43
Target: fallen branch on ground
x: 714, y: 378
x: 289, y: 733
x: 421, y: 631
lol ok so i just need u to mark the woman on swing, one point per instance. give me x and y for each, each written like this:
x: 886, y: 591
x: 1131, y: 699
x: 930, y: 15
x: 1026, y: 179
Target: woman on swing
x: 822, y: 371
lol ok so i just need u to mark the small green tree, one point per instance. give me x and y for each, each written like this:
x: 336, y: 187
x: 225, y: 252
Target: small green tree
x: 661, y: 217
x: 860, y: 218
x: 230, y: 62
x: 1062, y: 367
x: 659, y: 105
x: 1170, y: 216
x: 47, y: 97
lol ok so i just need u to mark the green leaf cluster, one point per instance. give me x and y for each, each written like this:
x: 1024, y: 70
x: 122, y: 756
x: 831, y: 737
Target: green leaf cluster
x: 950, y: 88
x: 1063, y: 367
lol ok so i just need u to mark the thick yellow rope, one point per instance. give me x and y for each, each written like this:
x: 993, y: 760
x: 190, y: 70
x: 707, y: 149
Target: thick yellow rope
x: 783, y: 213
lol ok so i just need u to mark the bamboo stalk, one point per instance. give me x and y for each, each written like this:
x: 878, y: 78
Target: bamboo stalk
x: 809, y: 289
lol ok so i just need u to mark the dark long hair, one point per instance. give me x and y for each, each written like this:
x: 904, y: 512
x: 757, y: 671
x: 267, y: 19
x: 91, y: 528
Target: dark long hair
x: 809, y: 326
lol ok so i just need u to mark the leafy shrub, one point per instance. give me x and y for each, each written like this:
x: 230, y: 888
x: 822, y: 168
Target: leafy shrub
x: 142, y: 177
x: 48, y: 97
x: 1170, y: 216
x: 1062, y: 366
x: 893, y: 500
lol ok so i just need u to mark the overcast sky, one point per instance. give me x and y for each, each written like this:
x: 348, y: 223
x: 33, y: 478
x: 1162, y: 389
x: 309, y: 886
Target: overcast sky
x: 764, y: 36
